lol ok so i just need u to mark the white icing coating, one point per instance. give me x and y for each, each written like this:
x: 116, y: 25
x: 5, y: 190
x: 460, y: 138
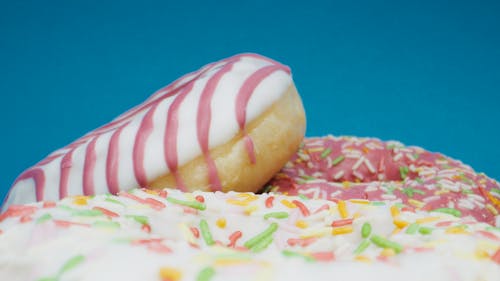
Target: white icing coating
x: 139, y: 158
x: 146, y: 236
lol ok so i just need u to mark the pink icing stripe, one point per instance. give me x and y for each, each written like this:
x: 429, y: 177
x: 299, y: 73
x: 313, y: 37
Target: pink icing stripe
x: 203, y: 120
x: 88, y: 168
x: 141, y: 138
x: 243, y: 97
x: 112, y: 161
x: 170, y: 144
x: 66, y: 163
x: 38, y: 176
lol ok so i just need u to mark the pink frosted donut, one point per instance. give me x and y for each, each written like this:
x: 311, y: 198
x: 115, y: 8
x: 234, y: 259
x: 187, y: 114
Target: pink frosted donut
x: 229, y: 126
x: 366, y: 168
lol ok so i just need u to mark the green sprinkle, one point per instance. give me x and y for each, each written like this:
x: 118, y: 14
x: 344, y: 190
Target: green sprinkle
x: 114, y: 201
x: 106, y: 224
x: 307, y: 177
x: 416, y: 155
x: 493, y: 228
x: 377, y: 203
x: 495, y: 190
x: 450, y: 211
x: 261, y: 236
x: 386, y: 243
x: 262, y: 244
x: 412, y: 228
x: 276, y: 215
x: 337, y: 160
x: 362, y: 246
x: 267, y: 188
x: 366, y: 230
x: 403, y: 171
x: 390, y: 189
x: 411, y: 191
x: 326, y: 152
x: 391, y: 146
x: 72, y: 263
x: 66, y: 208
x: 467, y: 191
x: 205, y: 232
x: 425, y: 230
x: 419, y: 180
x: 49, y: 279
x: 302, y: 196
x: 206, y: 274
x: 191, y: 204
x: 44, y: 218
x: 139, y: 219
x: 87, y: 213
x: 288, y: 253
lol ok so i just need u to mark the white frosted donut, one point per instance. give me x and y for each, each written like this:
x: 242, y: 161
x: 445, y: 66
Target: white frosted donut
x: 229, y: 126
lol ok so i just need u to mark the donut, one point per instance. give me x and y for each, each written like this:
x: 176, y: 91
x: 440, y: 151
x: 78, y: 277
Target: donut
x: 366, y: 168
x: 168, y: 234
x: 229, y: 126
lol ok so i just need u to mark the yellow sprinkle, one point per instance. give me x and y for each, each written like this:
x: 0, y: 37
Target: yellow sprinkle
x: 150, y: 191
x: 237, y: 202
x: 359, y: 201
x: 492, y: 209
x: 342, y: 209
x: 416, y: 203
x: 456, y: 230
x: 394, y: 211
x: 400, y: 223
x: 346, y: 184
x: 288, y: 204
x: 247, y: 199
x: 387, y: 252
x: 301, y: 224
x: 229, y: 262
x: 362, y: 259
x: 170, y: 273
x: 396, y: 231
x: 321, y: 232
x: 188, y: 235
x: 481, y: 254
x: 80, y: 200
x: 248, y: 196
x: 250, y: 209
x: 356, y: 215
x: 426, y: 220
x: 442, y: 191
x: 221, y: 222
x: 315, y: 149
x: 342, y: 230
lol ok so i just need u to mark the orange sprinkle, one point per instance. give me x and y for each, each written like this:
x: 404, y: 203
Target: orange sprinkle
x: 288, y: 204
x: 155, y: 204
x: 342, y: 209
x: 343, y: 222
x: 303, y: 209
x: 106, y: 212
x: 365, y: 149
x: 342, y: 230
x: 170, y: 274
x: 303, y: 242
x: 269, y: 202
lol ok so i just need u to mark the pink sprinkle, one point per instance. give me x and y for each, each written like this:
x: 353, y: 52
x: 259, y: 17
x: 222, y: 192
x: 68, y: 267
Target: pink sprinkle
x: 322, y: 208
x: 323, y: 256
x: 488, y: 235
x: 24, y: 219
x: 65, y: 224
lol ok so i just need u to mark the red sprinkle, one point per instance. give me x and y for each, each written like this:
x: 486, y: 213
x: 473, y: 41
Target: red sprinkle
x: 195, y: 231
x: 155, y: 204
x: 301, y: 242
x: 343, y: 222
x: 106, y: 212
x: 62, y: 223
x: 303, y: 208
x: 146, y: 228
x: 200, y: 198
x: 488, y: 235
x: 24, y: 219
x: 496, y: 256
x: 269, y: 202
x: 323, y: 256
x: 233, y: 238
x: 18, y: 211
x: 322, y: 208
x: 49, y: 204
x: 159, y: 248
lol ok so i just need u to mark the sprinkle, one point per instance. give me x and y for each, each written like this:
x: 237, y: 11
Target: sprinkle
x: 416, y: 203
x: 106, y: 212
x: 269, y: 202
x: 146, y: 228
x: 450, y: 211
x: 44, y: 218
x: 456, y: 230
x: 385, y: 243
x: 400, y: 223
x: 343, y: 222
x: 276, y: 215
x: 139, y: 219
x: 302, y: 242
x: 303, y: 208
x: 288, y: 253
x: 192, y: 204
x: 162, y: 193
x: 342, y: 209
x: 425, y: 230
x: 360, y: 201
x: 262, y: 244
x: 155, y: 204
x: 387, y: 252
x: 48, y: 204
x: 326, y: 152
x: 492, y: 209
x: 342, y: 230
x: 114, y: 201
x: 205, y: 233
x: 302, y: 196
x: 366, y: 230
x: 412, y: 228
x: 250, y: 209
x: 195, y: 231
x: 403, y: 171
x: 426, y: 220
x: 323, y: 256
x: 87, y: 213
x: 362, y: 246
x: 394, y: 211
x: 234, y: 237
x: 206, y: 274
x: 362, y: 259
x: 221, y: 223
x: 71, y: 263
x: 496, y: 256
x: 288, y: 204
x: 337, y: 160
x: 301, y: 224
x: 261, y: 236
x: 170, y: 274
x: 80, y: 200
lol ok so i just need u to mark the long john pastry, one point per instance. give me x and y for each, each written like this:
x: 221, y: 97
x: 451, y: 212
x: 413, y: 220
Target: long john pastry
x: 229, y: 126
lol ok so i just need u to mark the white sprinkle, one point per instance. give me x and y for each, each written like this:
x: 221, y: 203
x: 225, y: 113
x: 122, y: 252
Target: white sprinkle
x: 475, y: 197
x: 335, y: 193
x: 431, y: 198
x: 371, y: 188
x: 358, y: 163
x: 338, y: 175
x: 370, y: 166
x: 466, y: 204
x: 388, y: 196
x: 358, y: 175
x: 410, y: 157
x: 398, y: 157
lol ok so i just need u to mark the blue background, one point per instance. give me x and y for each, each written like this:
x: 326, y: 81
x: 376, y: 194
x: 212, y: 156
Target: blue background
x: 424, y: 73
